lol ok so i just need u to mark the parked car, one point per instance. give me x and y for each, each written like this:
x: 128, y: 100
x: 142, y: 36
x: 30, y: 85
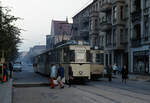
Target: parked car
x: 17, y: 66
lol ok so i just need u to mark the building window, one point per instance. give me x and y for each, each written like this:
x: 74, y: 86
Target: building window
x: 126, y: 34
x: 121, y: 12
x: 108, y: 39
x: 114, y: 37
x: 126, y: 11
x: 146, y: 4
x: 121, y: 35
x: 96, y: 24
x: 114, y: 14
x: 146, y: 27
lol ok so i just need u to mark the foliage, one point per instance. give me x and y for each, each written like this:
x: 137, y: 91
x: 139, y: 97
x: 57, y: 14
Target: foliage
x: 9, y: 34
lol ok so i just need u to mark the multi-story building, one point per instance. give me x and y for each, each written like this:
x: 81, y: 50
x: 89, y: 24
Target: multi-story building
x: 60, y: 31
x: 140, y: 36
x: 49, y: 41
x: 94, y: 25
x: 114, y: 24
x: 80, y: 30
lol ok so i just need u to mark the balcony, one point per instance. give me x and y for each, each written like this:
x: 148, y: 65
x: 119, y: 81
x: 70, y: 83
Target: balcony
x: 94, y: 14
x: 105, y: 24
x: 114, y: 1
x: 85, y: 20
x: 136, y: 16
x: 146, y: 11
x: 135, y: 42
x: 94, y: 32
x: 108, y: 46
x: 106, y: 6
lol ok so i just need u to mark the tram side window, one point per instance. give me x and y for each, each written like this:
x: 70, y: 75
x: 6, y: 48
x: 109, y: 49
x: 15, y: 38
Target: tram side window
x: 88, y: 56
x: 66, y: 55
x: 102, y: 59
x: 98, y: 56
x: 72, y: 56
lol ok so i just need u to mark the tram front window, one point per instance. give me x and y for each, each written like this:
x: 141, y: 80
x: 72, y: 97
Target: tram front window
x: 72, y: 56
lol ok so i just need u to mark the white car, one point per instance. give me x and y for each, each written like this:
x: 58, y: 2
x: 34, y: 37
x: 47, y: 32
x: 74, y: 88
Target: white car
x: 17, y: 67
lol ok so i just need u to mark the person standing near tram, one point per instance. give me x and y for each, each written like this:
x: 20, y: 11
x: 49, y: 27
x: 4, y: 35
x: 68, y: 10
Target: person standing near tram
x: 11, y: 70
x: 70, y: 73
x: 109, y: 72
x: 124, y: 73
x: 53, y: 75
x: 60, y: 75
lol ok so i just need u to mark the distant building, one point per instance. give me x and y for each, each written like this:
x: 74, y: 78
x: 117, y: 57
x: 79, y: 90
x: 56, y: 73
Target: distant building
x: 49, y: 41
x: 80, y: 29
x: 37, y: 50
x: 60, y: 31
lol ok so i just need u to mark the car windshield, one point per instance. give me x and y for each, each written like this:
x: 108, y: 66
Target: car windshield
x: 16, y: 64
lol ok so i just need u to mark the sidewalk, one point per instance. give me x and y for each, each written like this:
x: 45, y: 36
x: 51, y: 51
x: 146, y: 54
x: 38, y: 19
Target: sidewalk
x: 6, y: 92
x: 135, y: 77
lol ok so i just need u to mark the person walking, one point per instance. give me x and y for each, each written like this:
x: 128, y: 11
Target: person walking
x: 70, y: 74
x: 52, y: 75
x: 109, y: 73
x: 11, y: 70
x: 60, y: 75
x: 124, y: 73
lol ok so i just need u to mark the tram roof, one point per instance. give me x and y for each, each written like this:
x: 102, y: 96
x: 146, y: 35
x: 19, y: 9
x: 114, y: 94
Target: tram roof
x: 72, y: 42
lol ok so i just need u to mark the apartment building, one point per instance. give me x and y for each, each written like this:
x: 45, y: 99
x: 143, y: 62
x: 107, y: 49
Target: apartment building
x: 114, y: 25
x: 140, y: 36
x: 80, y: 30
x: 60, y: 31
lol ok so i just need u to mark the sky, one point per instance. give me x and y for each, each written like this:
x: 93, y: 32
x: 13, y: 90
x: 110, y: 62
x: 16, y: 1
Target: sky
x: 37, y: 15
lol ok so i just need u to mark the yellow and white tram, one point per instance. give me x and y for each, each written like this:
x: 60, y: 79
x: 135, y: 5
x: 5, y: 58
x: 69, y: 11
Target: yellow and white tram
x: 97, y: 63
x: 74, y: 54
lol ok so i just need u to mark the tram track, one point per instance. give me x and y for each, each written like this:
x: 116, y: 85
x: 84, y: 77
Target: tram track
x: 94, y: 93
x: 89, y: 89
x: 121, y: 92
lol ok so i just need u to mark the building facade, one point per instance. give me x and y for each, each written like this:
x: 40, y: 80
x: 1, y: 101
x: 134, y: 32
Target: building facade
x: 49, y: 41
x: 60, y: 31
x: 80, y: 30
x: 121, y: 28
x: 140, y: 36
x: 114, y: 25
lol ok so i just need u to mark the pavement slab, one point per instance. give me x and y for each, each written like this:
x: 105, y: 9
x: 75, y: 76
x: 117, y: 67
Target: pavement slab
x: 6, y: 92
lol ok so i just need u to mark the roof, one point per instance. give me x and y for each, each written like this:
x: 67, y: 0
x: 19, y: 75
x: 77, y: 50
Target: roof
x: 61, y: 27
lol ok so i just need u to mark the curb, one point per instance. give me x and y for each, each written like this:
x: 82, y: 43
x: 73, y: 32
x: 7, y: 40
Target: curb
x: 22, y: 85
x: 11, y: 90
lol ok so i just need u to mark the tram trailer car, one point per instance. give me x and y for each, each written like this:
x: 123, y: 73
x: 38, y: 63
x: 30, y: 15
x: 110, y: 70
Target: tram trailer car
x: 97, y: 64
x: 69, y: 54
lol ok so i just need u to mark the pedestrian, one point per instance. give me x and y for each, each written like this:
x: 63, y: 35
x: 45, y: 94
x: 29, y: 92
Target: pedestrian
x: 70, y: 74
x: 10, y: 69
x: 114, y: 69
x: 60, y: 75
x: 1, y: 72
x: 5, y: 75
x: 119, y: 69
x: 109, y: 73
x: 53, y: 75
x: 124, y: 73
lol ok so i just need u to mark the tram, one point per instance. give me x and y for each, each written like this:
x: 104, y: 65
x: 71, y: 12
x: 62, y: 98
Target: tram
x: 72, y: 53
x: 97, y: 63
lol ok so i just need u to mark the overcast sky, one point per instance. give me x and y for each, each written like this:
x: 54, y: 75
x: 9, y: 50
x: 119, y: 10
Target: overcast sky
x: 37, y: 16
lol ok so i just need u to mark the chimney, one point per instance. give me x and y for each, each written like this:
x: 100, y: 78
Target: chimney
x: 67, y: 19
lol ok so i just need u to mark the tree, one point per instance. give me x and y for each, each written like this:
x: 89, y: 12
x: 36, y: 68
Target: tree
x: 9, y: 34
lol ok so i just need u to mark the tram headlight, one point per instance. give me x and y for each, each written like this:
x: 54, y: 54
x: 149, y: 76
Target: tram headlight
x: 80, y: 72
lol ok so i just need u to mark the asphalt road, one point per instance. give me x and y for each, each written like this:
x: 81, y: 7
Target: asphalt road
x: 100, y: 91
